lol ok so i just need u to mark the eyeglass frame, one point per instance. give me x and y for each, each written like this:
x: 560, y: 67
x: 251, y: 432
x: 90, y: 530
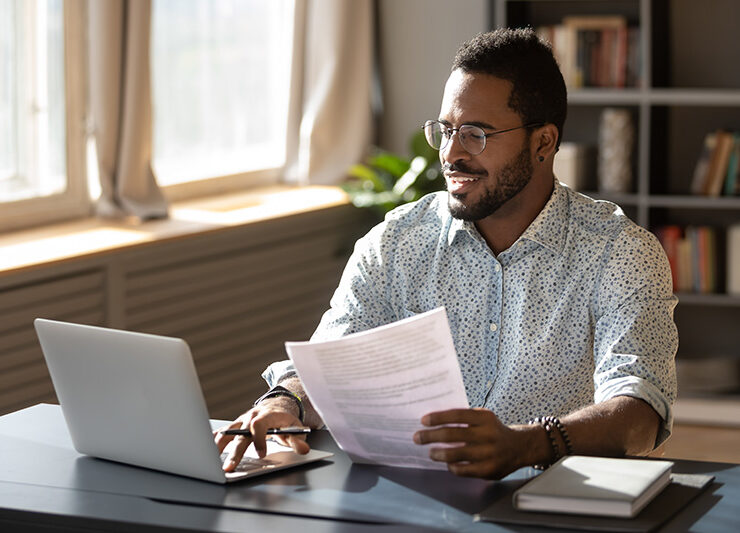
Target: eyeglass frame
x: 485, y: 135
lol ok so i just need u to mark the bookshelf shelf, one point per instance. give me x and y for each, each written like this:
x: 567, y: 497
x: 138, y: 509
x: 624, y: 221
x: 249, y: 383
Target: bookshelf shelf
x: 695, y: 97
x: 607, y: 96
x: 714, y: 300
x: 687, y: 88
x: 694, y: 202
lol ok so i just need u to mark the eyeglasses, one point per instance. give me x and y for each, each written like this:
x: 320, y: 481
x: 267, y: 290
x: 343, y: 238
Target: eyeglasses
x: 472, y: 138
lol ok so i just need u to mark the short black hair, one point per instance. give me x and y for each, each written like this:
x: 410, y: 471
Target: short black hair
x: 538, y: 91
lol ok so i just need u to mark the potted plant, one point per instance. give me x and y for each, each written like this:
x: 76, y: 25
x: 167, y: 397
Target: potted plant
x: 387, y: 180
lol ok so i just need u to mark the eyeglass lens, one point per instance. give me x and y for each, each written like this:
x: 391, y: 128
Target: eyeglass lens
x: 472, y: 138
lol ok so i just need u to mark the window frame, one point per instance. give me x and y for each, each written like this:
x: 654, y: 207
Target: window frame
x: 74, y: 201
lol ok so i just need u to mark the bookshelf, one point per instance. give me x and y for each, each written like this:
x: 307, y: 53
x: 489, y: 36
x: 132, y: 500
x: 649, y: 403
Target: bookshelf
x: 689, y: 86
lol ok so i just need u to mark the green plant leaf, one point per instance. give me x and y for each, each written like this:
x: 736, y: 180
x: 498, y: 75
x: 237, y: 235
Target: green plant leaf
x: 418, y: 165
x: 366, y: 174
x: 420, y: 146
x: 396, y: 166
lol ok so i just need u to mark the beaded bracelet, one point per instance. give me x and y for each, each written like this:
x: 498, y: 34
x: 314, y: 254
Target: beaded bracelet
x: 561, y: 428
x: 547, y: 424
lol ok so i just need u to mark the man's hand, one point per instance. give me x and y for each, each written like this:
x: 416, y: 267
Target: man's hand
x: 270, y: 413
x: 481, y: 445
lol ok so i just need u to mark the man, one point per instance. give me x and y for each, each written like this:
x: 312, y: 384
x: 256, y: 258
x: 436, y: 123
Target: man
x: 560, y: 307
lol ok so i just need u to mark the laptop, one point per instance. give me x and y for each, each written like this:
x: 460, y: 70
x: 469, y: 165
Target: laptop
x: 135, y: 398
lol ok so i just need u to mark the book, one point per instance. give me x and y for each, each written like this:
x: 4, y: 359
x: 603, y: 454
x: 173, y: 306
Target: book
x: 733, y: 259
x: 711, y: 251
x: 733, y: 167
x: 593, y: 55
x: 693, y: 236
x: 699, y: 180
x: 669, y: 237
x: 685, y: 262
x: 601, y: 486
x: 718, y: 164
x: 675, y: 498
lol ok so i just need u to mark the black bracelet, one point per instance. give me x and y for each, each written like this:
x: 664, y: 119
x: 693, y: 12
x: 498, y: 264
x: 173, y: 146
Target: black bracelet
x: 547, y: 424
x: 279, y: 390
x: 561, y: 428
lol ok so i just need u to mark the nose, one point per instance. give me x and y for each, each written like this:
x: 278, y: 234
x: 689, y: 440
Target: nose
x: 454, y: 150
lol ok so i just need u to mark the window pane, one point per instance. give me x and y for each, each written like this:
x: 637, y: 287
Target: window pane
x: 221, y: 73
x: 32, y: 137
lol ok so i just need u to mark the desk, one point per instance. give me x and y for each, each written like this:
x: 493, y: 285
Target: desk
x: 45, y: 484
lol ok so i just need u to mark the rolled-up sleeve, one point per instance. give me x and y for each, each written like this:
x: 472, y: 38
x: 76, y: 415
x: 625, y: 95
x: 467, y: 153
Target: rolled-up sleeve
x: 635, y: 337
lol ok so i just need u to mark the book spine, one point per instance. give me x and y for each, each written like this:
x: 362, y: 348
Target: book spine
x: 733, y: 166
x: 669, y: 236
x: 701, y: 170
x: 733, y: 259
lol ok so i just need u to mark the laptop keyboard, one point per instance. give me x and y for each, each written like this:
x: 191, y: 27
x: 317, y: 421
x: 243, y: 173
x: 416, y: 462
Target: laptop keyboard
x: 248, y: 464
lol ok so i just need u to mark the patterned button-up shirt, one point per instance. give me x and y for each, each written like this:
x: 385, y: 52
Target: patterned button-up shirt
x: 578, y: 310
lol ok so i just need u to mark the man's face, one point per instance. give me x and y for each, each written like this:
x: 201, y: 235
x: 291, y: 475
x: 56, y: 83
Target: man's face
x: 479, y: 185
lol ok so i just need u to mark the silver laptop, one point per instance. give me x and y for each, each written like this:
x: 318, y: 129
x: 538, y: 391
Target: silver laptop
x: 135, y: 398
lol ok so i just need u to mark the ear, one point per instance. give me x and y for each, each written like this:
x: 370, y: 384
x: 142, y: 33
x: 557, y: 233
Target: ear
x: 544, y: 139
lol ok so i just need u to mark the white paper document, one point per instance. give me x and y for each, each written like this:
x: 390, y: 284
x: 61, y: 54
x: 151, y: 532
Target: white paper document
x: 372, y: 388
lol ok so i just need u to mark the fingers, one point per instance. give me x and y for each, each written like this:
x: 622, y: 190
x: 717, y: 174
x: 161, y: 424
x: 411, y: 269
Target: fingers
x: 467, y: 426
x: 221, y: 439
x: 241, y: 444
x: 471, y: 417
x: 482, y: 441
x: 297, y: 442
x: 258, y: 420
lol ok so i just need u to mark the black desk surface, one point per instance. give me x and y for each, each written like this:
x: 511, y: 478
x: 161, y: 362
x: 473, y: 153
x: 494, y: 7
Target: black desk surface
x: 44, y: 482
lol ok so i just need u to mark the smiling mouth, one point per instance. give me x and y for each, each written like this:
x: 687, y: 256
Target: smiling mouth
x: 458, y: 184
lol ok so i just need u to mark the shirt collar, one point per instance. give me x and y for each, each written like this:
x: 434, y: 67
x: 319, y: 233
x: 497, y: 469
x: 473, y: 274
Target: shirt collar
x: 548, y: 229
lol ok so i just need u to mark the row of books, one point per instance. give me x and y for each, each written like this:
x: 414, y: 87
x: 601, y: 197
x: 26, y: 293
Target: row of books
x: 717, y: 170
x: 596, y: 51
x: 692, y: 254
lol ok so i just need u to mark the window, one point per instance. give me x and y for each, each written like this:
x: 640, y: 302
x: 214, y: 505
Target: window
x: 221, y: 88
x: 37, y: 153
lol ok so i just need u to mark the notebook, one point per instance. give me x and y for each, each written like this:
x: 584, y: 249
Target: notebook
x: 601, y: 486
x: 135, y: 398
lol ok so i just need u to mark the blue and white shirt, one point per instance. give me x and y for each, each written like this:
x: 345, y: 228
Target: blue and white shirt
x: 578, y: 310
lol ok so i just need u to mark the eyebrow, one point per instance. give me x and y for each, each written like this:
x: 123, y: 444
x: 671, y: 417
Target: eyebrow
x: 484, y: 125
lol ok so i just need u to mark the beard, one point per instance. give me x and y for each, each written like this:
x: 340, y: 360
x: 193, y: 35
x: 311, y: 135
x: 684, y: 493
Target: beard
x: 511, y: 180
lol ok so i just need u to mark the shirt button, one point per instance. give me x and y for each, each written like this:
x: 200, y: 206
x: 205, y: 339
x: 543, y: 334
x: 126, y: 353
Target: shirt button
x: 497, y: 267
x: 494, y: 327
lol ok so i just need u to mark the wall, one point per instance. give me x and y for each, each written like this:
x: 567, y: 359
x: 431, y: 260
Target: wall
x: 418, y: 40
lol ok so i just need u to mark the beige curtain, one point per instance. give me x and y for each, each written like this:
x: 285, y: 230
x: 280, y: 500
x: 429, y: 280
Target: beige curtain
x: 332, y: 87
x: 121, y: 109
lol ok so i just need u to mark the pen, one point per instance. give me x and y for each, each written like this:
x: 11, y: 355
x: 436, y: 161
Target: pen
x: 271, y: 431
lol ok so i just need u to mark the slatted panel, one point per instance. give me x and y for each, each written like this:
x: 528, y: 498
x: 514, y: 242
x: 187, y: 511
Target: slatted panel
x: 78, y: 297
x: 237, y: 301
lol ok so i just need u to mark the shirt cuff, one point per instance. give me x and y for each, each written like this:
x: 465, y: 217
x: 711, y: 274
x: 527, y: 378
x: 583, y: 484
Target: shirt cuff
x: 646, y: 391
x: 278, y: 371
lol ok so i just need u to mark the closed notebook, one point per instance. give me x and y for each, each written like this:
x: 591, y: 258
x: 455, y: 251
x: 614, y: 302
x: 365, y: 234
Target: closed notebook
x: 595, y: 486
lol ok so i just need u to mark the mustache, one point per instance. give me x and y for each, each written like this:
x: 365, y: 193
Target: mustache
x: 463, y: 168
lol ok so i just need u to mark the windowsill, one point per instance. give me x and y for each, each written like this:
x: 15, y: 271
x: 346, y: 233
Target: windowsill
x: 58, y: 243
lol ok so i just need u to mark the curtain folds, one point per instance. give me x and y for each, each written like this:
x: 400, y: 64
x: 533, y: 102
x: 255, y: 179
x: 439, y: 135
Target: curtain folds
x: 334, y: 116
x: 121, y: 108
x: 330, y: 109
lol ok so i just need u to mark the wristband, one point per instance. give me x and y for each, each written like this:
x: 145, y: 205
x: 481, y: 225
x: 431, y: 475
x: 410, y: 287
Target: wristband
x: 548, y: 425
x: 278, y: 391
